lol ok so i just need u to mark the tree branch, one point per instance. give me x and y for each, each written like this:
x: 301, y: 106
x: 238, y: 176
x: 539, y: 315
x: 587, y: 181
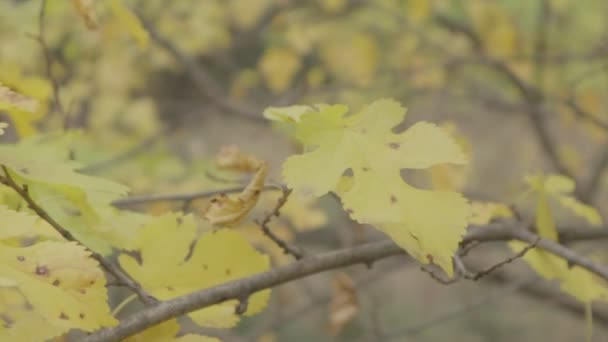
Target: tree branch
x: 363, y: 254
x: 532, y: 96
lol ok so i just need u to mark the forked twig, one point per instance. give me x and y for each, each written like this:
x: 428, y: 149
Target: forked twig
x: 287, y: 249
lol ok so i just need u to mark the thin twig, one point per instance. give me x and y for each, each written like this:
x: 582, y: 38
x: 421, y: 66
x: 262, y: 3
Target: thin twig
x: 113, y: 269
x: 286, y: 247
x: 532, y: 96
x: 135, y: 200
x: 438, y: 278
x: 494, y: 267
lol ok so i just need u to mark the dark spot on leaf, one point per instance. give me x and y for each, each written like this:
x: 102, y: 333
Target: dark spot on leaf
x: 135, y: 255
x: 394, y: 145
x: 7, y: 320
x: 21, y: 258
x: 82, y: 291
x: 56, y: 282
x: 24, y: 170
x: 190, y: 250
x: 393, y: 199
x: 228, y: 272
x: 72, y: 212
x: 365, y: 169
x: 92, y: 282
x: 179, y: 221
x: 81, y: 315
x: 42, y: 270
x: 205, y: 266
x: 169, y: 288
x: 363, y: 130
x: 414, y: 237
x: 63, y: 316
x: 430, y: 258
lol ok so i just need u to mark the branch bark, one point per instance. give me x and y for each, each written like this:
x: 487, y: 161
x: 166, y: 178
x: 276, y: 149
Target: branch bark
x: 364, y: 254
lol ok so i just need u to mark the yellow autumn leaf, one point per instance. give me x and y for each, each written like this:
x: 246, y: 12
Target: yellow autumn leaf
x: 333, y: 6
x: 351, y: 57
x: 167, y: 332
x: 483, y: 213
x: 245, y: 13
x: 215, y: 258
x: 289, y: 114
x: 84, y: 8
x: 80, y: 203
x: 496, y: 27
x: 419, y: 10
x: 578, y: 282
x: 21, y: 225
x: 451, y: 177
x: 55, y: 285
x: 427, y: 224
x: 278, y: 66
x: 561, y: 188
x: 130, y: 21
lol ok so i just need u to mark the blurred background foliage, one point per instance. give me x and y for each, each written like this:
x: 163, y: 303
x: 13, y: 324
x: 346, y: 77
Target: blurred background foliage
x: 521, y: 84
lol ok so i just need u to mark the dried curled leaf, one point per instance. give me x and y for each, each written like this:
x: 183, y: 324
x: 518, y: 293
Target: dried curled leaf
x: 232, y: 158
x: 10, y: 99
x: 230, y: 210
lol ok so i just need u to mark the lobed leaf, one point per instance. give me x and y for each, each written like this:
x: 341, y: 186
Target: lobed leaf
x: 427, y: 224
x: 193, y: 263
